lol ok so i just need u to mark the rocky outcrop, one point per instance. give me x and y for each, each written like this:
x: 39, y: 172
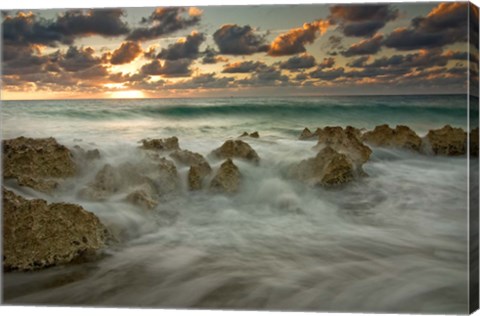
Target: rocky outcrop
x: 167, y: 180
x: 188, y: 158
x: 344, y: 141
x: 253, y: 135
x: 163, y: 144
x: 306, y: 134
x: 38, y: 163
x: 227, y: 178
x: 327, y: 168
x: 448, y: 141
x: 83, y: 154
x: 474, y: 142
x: 142, y: 199
x: 236, y: 149
x: 199, y: 167
x: 400, y: 137
x: 38, y: 235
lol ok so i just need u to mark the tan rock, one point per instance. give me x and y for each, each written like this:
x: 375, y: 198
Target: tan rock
x: 236, y: 149
x: 38, y: 235
x: 167, y: 180
x: 37, y: 162
x: 164, y: 144
x: 447, y: 141
x: 227, y: 178
x: 188, y: 158
x: 327, y: 168
x: 474, y: 142
x: 197, y: 175
x: 400, y: 137
x: 346, y: 142
x: 306, y: 134
x: 254, y: 135
x: 142, y: 199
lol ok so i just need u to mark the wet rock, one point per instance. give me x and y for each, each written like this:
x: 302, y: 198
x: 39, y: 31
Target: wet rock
x: 199, y: 167
x: 344, y: 141
x: 38, y: 235
x: 188, y: 158
x: 306, y: 134
x: 401, y: 137
x: 142, y: 199
x: 83, y: 154
x: 236, y: 149
x: 253, y: 135
x: 164, y: 144
x: 447, y: 141
x: 327, y: 168
x: 227, y: 178
x: 474, y: 142
x: 167, y: 180
x: 37, y: 162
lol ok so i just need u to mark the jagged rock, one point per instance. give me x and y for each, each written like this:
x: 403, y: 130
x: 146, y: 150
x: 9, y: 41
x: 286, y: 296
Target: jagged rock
x: 253, y: 135
x: 327, y: 168
x: 37, y: 162
x: 164, y: 144
x: 38, y: 235
x: 227, y: 178
x: 91, y: 154
x: 354, y: 131
x: 41, y: 185
x: 167, y: 181
x: 306, y: 134
x: 142, y: 199
x: 401, y: 137
x: 474, y: 142
x: 447, y: 141
x: 346, y: 142
x: 188, y: 158
x: 244, y: 134
x: 236, y: 149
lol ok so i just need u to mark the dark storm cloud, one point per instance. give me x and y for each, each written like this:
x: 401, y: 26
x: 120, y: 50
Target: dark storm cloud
x: 202, y: 81
x: 265, y: 76
x: 78, y: 59
x: 243, y: 67
x: 422, y: 60
x: 445, y: 24
x: 232, y: 39
x: 185, y: 48
x: 126, y: 53
x: 327, y: 63
x: 170, y: 68
x: 294, y: 41
x: 210, y: 56
x: 359, y: 62
x: 165, y: 21
x: 361, y: 20
x: 28, y: 29
x: 366, y: 47
x: 303, y: 61
x: 327, y: 74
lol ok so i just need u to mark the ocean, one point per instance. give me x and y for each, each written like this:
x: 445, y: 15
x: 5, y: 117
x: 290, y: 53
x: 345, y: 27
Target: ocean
x: 395, y: 241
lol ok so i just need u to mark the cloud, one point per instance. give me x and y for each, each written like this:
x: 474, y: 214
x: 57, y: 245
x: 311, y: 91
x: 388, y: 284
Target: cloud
x: 210, y: 56
x: 232, y: 39
x: 126, y: 53
x: 332, y: 74
x: 170, y: 68
x: 445, y: 24
x: 265, y: 76
x: 361, y: 20
x: 184, y: 48
x: 78, y: 59
x: 360, y: 62
x: 28, y: 29
x: 365, y: 47
x: 165, y: 21
x: 243, y: 67
x: 294, y: 41
x: 202, y: 81
x: 303, y: 61
x: 327, y: 63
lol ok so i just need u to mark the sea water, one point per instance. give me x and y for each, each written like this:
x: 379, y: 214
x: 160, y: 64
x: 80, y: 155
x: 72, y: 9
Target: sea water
x: 394, y: 241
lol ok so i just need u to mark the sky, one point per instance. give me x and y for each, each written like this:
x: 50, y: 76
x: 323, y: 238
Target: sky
x: 220, y: 51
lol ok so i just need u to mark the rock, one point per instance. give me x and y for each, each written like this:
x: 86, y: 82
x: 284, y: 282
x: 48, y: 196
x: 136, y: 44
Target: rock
x: 164, y: 144
x: 142, y: 199
x: 41, y: 185
x: 401, y: 137
x: 34, y: 162
x: 327, y: 168
x: 227, y: 178
x: 253, y: 135
x: 236, y: 149
x: 188, y: 158
x: 91, y: 154
x: 245, y: 134
x: 345, y: 142
x: 306, y: 134
x: 447, y: 141
x: 197, y: 175
x: 38, y: 235
x: 474, y: 142
x: 167, y: 180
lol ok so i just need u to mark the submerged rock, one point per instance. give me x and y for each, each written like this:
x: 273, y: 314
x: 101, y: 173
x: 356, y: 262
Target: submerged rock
x: 306, y: 134
x: 236, y: 149
x: 253, y: 135
x: 327, y: 168
x: 344, y: 141
x: 188, y: 158
x: 447, y: 141
x: 401, y: 137
x: 37, y: 163
x: 167, y: 180
x: 38, y: 235
x: 163, y: 144
x: 474, y: 142
x: 227, y: 178
x: 199, y: 167
x: 142, y: 199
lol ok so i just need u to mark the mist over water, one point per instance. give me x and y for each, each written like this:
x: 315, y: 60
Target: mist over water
x: 395, y: 241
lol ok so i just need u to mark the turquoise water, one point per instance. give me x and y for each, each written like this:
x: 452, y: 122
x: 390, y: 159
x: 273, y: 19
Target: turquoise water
x: 395, y: 241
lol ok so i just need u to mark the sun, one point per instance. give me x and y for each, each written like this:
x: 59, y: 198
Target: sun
x: 127, y: 94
